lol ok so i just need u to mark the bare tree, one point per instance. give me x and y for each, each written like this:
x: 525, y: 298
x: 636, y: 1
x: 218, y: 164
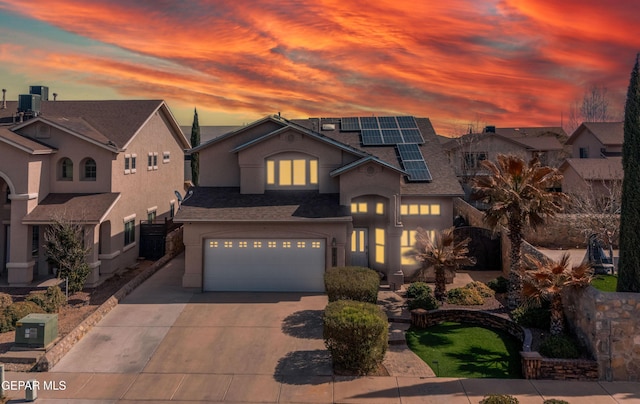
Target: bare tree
x: 594, y: 107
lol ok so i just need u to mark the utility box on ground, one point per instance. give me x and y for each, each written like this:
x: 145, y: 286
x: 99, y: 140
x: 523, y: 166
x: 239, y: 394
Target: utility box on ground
x: 36, y: 330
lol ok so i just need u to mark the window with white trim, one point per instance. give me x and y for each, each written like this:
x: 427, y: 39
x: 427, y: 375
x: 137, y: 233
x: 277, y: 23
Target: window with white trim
x: 166, y: 157
x: 127, y: 163
x: 292, y: 172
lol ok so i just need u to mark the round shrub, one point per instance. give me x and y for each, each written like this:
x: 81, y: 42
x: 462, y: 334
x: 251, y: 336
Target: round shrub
x: 465, y: 296
x: 499, y: 399
x: 482, y: 288
x: 559, y: 346
x: 50, y: 301
x: 499, y: 285
x: 19, y: 310
x: 39, y: 299
x: 5, y: 300
x: 352, y: 283
x: 356, y: 335
x: 416, y: 289
x: 424, y: 301
x: 534, y: 317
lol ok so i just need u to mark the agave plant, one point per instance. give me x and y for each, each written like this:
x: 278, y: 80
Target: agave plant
x: 547, y: 282
x: 444, y: 253
x: 518, y: 195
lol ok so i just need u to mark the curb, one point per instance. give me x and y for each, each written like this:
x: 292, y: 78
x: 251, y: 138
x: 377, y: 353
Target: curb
x: 60, y: 349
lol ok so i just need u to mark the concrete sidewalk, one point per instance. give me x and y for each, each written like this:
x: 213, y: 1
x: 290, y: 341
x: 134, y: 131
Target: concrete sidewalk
x: 165, y: 344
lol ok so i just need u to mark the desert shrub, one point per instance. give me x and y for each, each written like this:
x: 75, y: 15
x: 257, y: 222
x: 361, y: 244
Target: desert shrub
x: 554, y: 401
x: 416, y: 289
x: 499, y: 399
x: 535, y: 317
x: 465, y: 296
x: 423, y: 301
x: 559, y: 346
x: 50, y: 301
x: 482, y: 288
x: 499, y: 285
x: 356, y: 335
x: 352, y: 283
x: 17, y: 311
x: 5, y: 300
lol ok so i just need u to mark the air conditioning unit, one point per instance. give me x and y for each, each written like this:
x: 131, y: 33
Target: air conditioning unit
x: 36, y: 330
x: 29, y: 103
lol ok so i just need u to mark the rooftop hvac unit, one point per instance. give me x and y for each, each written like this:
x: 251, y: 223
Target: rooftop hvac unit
x: 42, y: 91
x: 29, y: 103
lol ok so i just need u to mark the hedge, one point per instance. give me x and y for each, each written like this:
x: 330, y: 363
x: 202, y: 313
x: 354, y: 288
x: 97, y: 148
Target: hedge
x: 356, y: 335
x: 352, y: 283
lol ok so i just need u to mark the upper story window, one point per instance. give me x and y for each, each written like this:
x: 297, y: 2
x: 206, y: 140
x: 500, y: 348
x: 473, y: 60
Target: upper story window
x: 296, y: 172
x: 414, y: 209
x: 359, y: 207
x: 152, y: 161
x: 473, y: 159
x: 166, y: 157
x: 89, y: 169
x: 65, y: 169
x: 130, y: 163
x: 584, y: 152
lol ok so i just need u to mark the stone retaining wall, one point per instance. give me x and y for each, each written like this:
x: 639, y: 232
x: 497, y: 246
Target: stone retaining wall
x: 534, y: 365
x: 65, y: 344
x: 607, y: 323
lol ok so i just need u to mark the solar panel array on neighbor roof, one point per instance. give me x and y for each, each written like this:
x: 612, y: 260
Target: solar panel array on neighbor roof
x: 383, y: 130
x: 413, y: 162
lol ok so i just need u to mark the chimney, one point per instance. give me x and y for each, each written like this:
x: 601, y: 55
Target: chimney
x: 55, y: 95
x: 4, y: 98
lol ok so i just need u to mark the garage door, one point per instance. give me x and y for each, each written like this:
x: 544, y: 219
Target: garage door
x: 264, y: 265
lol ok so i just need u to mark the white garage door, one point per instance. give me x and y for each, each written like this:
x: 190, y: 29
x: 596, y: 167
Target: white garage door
x: 264, y: 265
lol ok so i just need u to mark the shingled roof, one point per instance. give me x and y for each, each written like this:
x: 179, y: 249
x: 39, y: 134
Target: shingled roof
x: 607, y: 133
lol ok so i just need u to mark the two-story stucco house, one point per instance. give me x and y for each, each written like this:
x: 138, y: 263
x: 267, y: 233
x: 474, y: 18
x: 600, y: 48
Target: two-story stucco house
x: 280, y: 201
x: 105, y: 164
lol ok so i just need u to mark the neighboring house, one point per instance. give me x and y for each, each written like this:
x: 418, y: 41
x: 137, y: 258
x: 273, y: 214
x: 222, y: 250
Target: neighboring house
x: 281, y: 201
x: 595, y: 168
x: 597, y: 140
x: 105, y: 164
x: 466, y: 152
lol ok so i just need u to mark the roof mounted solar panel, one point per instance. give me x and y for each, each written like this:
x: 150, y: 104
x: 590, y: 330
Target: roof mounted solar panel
x: 350, y: 124
x: 372, y: 137
x: 413, y: 162
x: 391, y: 136
x: 412, y: 136
x: 388, y: 122
x: 369, y: 122
x: 407, y: 122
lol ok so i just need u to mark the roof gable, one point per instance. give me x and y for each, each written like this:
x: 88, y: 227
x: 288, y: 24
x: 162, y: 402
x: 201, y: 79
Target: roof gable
x: 22, y: 143
x: 607, y: 133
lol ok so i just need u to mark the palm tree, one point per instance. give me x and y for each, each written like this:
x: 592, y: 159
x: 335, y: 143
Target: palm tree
x: 444, y: 254
x: 517, y: 195
x: 549, y: 280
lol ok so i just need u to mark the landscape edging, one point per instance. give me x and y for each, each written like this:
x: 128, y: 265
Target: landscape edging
x: 64, y: 345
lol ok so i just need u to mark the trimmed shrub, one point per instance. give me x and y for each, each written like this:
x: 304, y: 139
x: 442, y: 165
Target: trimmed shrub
x: 416, y: 289
x: 17, y: 311
x: 499, y: 285
x: 5, y: 300
x: 534, y: 317
x: 465, y: 296
x: 356, y: 334
x: 554, y: 401
x: 424, y: 301
x: 50, y: 301
x: 559, y: 346
x: 352, y: 283
x: 482, y: 288
x: 499, y: 399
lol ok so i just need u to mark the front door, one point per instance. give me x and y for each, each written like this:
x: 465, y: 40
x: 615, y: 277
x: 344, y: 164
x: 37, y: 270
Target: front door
x: 360, y: 247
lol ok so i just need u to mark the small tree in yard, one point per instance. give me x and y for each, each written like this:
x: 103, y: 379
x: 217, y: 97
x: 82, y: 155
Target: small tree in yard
x: 65, y: 250
x: 195, y: 141
x: 549, y: 280
x: 629, y: 265
x: 517, y: 194
x: 444, y: 254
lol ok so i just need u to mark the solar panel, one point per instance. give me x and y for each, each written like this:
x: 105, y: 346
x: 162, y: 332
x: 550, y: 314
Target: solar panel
x: 369, y: 122
x: 391, y: 136
x: 388, y: 122
x: 349, y: 124
x: 413, y: 162
x: 372, y: 137
x: 412, y: 136
x: 407, y: 122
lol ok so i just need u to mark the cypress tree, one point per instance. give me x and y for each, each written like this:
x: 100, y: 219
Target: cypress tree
x: 629, y: 268
x: 195, y: 141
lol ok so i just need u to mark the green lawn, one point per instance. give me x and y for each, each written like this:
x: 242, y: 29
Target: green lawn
x: 465, y: 350
x: 605, y: 283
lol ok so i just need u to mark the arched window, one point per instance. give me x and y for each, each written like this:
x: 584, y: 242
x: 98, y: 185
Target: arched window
x: 89, y: 169
x: 65, y: 169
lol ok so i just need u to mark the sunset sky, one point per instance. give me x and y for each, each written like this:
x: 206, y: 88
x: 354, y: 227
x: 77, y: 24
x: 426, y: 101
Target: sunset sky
x: 485, y: 62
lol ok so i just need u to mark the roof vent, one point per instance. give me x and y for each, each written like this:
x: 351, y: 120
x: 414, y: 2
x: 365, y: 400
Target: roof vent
x: 328, y: 126
x: 490, y: 129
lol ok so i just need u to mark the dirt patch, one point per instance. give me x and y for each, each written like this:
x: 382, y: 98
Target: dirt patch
x: 79, y: 306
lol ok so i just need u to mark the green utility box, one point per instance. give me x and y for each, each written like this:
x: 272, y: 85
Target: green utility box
x: 37, y: 330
